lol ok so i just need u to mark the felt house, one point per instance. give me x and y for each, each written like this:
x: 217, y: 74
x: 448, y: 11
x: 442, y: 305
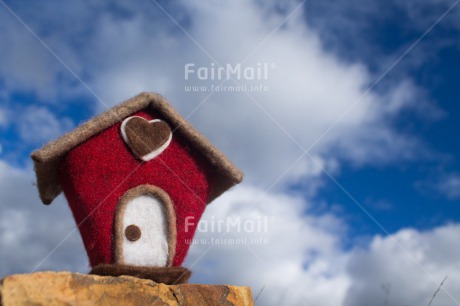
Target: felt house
x: 137, y: 179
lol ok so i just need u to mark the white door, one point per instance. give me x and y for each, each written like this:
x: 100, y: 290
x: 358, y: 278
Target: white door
x: 145, y: 232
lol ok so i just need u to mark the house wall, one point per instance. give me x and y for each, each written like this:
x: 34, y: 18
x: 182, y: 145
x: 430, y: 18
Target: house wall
x: 98, y: 172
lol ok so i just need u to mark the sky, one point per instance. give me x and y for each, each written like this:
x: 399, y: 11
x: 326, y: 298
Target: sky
x: 347, y: 136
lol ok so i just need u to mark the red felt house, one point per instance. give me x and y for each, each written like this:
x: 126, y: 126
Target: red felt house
x: 137, y: 179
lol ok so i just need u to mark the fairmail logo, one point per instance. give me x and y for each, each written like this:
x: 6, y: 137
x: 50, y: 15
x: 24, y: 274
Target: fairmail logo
x: 260, y: 71
x: 234, y: 224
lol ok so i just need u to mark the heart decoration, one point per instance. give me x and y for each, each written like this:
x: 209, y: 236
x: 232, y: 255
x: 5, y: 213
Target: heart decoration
x: 146, y: 139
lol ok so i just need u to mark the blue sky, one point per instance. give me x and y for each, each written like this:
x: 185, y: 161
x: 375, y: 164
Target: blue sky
x: 409, y: 191
x: 351, y: 153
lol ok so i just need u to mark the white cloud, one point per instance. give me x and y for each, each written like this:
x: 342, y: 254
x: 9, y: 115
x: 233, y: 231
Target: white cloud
x: 289, y: 252
x: 37, y: 125
x: 29, y: 231
x: 449, y: 186
x: 426, y: 13
x: 444, y: 184
x: 3, y: 118
x: 414, y: 263
x: 304, y: 262
x: 25, y: 64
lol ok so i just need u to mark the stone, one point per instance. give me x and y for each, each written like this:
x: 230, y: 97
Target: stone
x: 66, y: 288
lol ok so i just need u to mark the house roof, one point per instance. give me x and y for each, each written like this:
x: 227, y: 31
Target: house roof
x: 46, y: 160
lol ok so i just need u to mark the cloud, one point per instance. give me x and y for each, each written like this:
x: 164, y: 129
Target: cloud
x: 449, y: 186
x: 37, y: 125
x: 30, y: 231
x: 413, y: 263
x: 304, y: 262
x: 445, y: 184
x: 425, y: 13
x: 3, y: 117
x: 269, y: 242
x: 25, y: 64
x: 380, y: 32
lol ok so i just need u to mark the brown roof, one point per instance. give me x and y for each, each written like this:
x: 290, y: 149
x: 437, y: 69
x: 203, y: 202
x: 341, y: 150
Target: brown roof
x: 46, y: 160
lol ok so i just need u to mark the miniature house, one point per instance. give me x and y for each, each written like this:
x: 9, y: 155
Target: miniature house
x: 132, y: 176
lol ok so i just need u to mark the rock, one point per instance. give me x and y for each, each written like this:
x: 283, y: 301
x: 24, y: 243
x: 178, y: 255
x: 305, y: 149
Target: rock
x: 65, y: 288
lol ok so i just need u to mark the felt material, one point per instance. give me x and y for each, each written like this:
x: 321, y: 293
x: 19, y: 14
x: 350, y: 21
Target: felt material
x: 133, y: 232
x: 97, y: 173
x: 162, y: 224
x: 165, y: 275
x: 47, y: 159
x: 147, y: 212
x: 146, y: 139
